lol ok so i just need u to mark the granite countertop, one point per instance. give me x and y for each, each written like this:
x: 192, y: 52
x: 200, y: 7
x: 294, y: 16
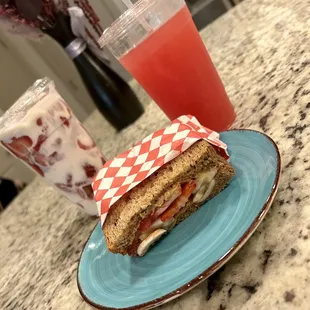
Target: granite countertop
x: 262, y: 52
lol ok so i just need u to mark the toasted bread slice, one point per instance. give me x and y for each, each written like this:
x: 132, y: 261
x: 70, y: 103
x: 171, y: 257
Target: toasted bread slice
x: 124, y: 217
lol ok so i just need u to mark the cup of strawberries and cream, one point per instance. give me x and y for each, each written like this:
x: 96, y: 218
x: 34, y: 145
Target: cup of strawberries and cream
x: 41, y: 130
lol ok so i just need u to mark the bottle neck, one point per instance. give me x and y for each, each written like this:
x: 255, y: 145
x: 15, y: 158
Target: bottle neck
x: 76, y: 47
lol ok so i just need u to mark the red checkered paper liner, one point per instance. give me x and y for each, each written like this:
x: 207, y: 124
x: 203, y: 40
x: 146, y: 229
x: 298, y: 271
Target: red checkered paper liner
x: 119, y: 175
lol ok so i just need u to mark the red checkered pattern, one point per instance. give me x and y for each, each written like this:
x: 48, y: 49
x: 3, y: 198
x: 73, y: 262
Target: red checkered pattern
x: 127, y: 170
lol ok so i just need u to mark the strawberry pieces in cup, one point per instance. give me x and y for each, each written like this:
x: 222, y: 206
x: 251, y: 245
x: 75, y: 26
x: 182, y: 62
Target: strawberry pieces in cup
x: 19, y: 146
x: 53, y: 142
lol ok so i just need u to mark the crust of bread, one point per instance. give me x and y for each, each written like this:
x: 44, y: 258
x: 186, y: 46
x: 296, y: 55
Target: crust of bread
x: 125, y: 215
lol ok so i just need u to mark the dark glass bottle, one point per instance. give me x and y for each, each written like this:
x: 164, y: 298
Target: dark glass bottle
x: 111, y: 94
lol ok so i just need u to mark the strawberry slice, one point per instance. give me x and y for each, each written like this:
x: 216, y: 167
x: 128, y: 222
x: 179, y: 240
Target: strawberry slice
x: 65, y: 121
x: 37, y: 169
x: 180, y: 202
x: 146, y: 223
x: 24, y: 140
x: 41, y: 160
x: 85, y: 147
x: 40, y: 141
x: 54, y: 157
x: 39, y: 121
x: 19, y: 146
x: 90, y: 170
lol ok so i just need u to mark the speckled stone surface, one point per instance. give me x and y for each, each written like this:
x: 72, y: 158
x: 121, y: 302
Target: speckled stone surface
x: 262, y: 52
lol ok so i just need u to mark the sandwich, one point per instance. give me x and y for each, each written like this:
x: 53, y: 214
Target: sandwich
x: 165, y: 198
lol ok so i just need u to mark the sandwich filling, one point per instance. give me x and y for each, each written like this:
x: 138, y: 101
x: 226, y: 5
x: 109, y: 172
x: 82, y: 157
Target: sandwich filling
x: 162, y: 219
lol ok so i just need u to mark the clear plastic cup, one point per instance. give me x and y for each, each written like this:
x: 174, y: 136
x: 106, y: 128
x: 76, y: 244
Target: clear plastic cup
x: 158, y: 43
x: 41, y: 130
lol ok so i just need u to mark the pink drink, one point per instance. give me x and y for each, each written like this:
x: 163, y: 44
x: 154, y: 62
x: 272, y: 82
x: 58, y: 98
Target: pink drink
x: 174, y: 67
x: 158, y: 43
x: 41, y: 130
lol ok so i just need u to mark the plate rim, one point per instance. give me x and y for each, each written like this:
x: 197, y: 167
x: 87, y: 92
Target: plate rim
x: 215, y: 266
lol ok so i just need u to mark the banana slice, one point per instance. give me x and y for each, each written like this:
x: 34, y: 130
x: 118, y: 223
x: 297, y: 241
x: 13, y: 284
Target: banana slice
x: 156, y: 225
x: 208, y: 191
x: 199, y: 195
x: 203, y: 183
x: 205, y: 177
x: 151, y: 239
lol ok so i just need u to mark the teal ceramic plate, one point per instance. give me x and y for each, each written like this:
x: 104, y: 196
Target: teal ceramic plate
x: 194, y: 249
